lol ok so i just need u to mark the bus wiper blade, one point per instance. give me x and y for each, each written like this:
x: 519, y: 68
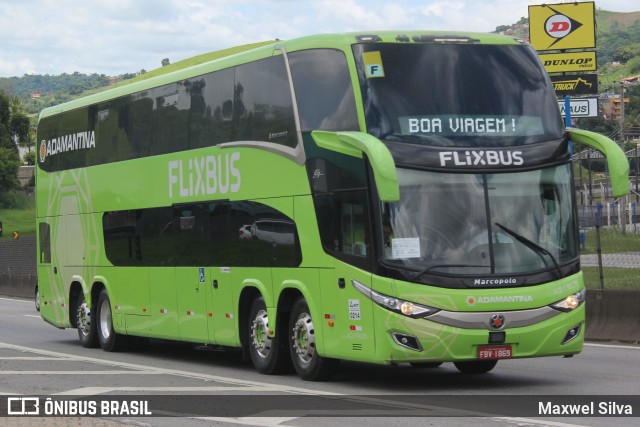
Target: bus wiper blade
x: 539, y: 250
x: 431, y: 267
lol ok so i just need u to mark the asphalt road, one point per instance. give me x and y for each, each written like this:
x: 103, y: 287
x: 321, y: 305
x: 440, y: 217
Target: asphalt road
x: 37, y: 359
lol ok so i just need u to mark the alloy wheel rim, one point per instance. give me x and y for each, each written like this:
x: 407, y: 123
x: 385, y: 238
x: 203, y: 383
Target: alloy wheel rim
x: 260, y: 338
x: 304, y: 340
x: 105, y: 320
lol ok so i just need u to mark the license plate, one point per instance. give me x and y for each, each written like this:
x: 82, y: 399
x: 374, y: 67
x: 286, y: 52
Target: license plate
x: 494, y: 352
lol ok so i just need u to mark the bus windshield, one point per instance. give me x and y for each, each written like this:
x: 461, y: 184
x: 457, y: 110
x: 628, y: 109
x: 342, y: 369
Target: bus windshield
x: 457, y: 94
x: 464, y: 224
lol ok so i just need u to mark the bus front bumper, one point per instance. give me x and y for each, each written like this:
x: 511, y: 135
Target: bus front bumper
x: 473, y: 336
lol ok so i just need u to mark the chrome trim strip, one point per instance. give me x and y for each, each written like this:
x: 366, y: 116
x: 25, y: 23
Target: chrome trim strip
x: 476, y: 320
x: 296, y: 154
x: 296, y: 115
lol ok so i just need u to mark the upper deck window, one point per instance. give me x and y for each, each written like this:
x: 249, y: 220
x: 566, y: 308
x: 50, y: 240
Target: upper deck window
x: 323, y: 90
x: 248, y: 102
x: 470, y: 95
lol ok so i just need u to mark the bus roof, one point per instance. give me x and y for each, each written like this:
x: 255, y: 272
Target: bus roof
x: 233, y: 56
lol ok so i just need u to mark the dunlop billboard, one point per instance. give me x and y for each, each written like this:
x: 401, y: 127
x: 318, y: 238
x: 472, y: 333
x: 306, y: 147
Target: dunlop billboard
x: 562, y: 26
x: 569, y: 62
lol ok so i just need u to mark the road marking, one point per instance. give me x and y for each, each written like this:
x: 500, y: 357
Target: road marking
x: 28, y: 358
x: 92, y: 391
x: 249, y: 421
x: 525, y: 421
x: 630, y: 347
x: 186, y: 374
x: 30, y: 301
x: 32, y: 315
x: 105, y: 372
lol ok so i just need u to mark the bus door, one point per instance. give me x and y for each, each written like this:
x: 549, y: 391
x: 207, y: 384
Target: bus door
x: 347, y: 317
x: 347, y: 313
x: 190, y: 284
x: 221, y: 313
x: 164, y: 305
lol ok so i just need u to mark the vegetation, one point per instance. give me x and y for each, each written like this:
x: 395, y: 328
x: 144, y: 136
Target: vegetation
x: 11, y: 128
x: 612, y: 241
x: 21, y: 219
x: 50, y: 90
x: 612, y: 277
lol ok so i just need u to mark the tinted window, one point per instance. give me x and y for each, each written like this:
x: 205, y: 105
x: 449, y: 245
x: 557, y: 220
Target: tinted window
x: 323, y: 90
x: 44, y: 233
x: 199, y: 234
x: 344, y: 225
x: 250, y: 102
x: 170, y: 126
x: 263, y: 109
x: 339, y: 186
x: 457, y: 94
x: 211, y: 108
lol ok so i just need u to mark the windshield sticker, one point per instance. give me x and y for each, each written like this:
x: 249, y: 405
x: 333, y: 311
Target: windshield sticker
x: 404, y: 248
x: 471, y: 125
x: 373, y: 64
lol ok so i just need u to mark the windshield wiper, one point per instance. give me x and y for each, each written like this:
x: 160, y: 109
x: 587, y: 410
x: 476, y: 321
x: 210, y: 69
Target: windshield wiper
x: 431, y: 267
x: 539, y: 250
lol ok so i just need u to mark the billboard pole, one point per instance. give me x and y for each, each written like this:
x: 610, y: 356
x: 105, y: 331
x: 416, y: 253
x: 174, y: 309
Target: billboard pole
x: 567, y: 119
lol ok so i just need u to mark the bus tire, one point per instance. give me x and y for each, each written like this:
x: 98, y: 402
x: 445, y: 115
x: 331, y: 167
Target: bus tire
x: 268, y: 353
x: 476, y: 366
x: 309, y: 365
x: 107, y: 336
x: 86, y: 323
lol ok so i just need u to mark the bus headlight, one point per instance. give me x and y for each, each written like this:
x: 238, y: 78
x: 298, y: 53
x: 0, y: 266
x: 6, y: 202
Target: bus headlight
x: 571, y: 302
x: 407, y: 308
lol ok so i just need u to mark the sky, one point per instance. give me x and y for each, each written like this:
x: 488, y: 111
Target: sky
x: 113, y: 37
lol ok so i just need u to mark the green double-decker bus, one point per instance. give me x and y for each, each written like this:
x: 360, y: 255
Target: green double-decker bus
x: 387, y: 197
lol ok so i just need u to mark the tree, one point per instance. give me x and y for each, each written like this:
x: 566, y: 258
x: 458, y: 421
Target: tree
x: 622, y: 54
x: 29, y: 158
x: 165, y: 62
x: 5, y: 112
x: 15, y: 105
x: 9, y: 165
x: 19, y: 127
x: 6, y: 140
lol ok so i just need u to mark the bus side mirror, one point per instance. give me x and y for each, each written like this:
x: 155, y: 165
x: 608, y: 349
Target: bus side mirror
x: 357, y: 143
x: 616, y: 159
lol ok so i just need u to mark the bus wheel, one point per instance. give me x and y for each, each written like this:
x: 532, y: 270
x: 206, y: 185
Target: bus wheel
x: 267, y: 352
x: 302, y: 344
x: 109, y: 339
x: 86, y: 321
x: 476, y: 367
